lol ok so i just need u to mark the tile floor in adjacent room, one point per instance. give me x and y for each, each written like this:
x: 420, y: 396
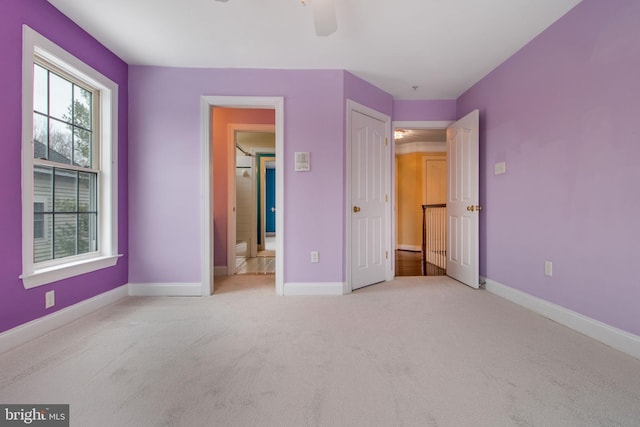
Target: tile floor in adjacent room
x: 264, y: 263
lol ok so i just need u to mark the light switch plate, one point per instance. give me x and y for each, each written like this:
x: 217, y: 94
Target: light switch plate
x: 500, y: 168
x: 303, y: 161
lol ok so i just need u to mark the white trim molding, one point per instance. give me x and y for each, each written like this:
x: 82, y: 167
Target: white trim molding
x: 620, y: 340
x: 421, y: 124
x: 36, y: 328
x: 315, y: 288
x: 40, y: 273
x: 165, y: 289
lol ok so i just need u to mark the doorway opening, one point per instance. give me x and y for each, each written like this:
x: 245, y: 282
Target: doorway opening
x: 218, y: 163
x: 255, y: 202
x: 420, y: 198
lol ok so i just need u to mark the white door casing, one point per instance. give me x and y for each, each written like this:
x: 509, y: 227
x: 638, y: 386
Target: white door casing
x: 263, y: 205
x: 462, y: 201
x: 232, y: 130
x: 369, y: 197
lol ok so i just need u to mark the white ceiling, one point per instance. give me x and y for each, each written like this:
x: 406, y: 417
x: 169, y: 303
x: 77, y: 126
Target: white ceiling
x: 420, y: 135
x: 441, y: 46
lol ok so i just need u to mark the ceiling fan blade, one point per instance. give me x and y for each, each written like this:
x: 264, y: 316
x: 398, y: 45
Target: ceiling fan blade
x: 324, y: 17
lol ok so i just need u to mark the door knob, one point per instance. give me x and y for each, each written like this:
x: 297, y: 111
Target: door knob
x: 472, y: 208
x: 273, y: 209
x: 356, y: 209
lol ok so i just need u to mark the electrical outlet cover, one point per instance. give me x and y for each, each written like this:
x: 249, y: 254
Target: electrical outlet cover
x: 49, y: 299
x: 548, y: 268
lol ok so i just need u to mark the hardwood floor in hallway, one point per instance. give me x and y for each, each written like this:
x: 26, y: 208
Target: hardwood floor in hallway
x: 409, y: 263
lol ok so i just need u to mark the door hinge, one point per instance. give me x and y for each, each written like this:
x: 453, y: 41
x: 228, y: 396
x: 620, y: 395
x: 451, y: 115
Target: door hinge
x: 386, y: 197
x: 386, y: 254
x: 386, y: 142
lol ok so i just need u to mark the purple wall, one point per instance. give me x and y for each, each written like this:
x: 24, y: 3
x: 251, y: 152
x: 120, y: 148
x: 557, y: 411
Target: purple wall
x: 563, y: 114
x: 366, y: 94
x: 17, y: 305
x: 164, y: 158
x: 436, y: 110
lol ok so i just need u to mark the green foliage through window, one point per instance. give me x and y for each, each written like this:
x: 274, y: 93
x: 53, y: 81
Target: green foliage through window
x: 63, y: 119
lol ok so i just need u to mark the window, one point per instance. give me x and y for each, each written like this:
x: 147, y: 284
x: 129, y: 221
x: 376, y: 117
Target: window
x: 69, y: 173
x: 65, y: 164
x: 38, y: 221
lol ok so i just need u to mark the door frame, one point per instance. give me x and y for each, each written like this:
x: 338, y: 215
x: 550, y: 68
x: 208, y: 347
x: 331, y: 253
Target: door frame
x: 353, y: 106
x: 232, y: 129
x: 399, y: 124
x: 266, y: 155
x: 263, y: 202
x: 207, y: 179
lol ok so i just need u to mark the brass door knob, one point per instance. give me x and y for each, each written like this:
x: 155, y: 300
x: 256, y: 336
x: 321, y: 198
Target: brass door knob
x: 356, y: 209
x: 472, y: 208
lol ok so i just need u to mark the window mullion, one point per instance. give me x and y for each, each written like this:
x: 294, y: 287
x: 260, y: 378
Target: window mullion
x: 73, y: 128
x: 77, y: 212
x: 53, y: 213
x: 48, y: 116
x: 48, y: 163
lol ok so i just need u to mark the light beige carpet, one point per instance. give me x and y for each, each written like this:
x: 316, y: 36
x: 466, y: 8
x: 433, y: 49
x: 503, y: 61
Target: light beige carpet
x: 412, y: 352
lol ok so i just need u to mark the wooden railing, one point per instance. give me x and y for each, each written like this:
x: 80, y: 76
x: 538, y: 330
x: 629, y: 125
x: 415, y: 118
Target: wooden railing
x: 434, y: 246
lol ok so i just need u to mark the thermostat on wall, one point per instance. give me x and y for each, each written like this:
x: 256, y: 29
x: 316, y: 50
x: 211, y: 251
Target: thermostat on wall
x: 303, y: 162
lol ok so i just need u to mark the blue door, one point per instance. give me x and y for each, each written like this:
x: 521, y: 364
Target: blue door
x: 270, y: 201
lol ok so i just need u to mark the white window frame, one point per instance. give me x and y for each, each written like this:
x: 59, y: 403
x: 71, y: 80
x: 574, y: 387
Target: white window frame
x: 33, y: 274
x: 43, y: 200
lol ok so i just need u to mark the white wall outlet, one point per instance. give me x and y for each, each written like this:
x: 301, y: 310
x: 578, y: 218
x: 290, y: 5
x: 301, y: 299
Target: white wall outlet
x: 548, y: 268
x: 315, y: 256
x: 500, y: 168
x: 49, y: 299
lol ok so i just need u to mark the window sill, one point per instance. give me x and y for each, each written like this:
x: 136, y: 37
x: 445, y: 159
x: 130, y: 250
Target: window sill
x: 48, y: 275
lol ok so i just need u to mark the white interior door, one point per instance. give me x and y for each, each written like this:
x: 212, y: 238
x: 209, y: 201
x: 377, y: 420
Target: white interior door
x: 463, y: 206
x: 368, y: 200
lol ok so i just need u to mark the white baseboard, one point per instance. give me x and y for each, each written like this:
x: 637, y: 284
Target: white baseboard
x: 24, y: 333
x: 620, y: 340
x: 319, y: 288
x: 165, y: 289
x: 220, y: 271
x: 412, y: 248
